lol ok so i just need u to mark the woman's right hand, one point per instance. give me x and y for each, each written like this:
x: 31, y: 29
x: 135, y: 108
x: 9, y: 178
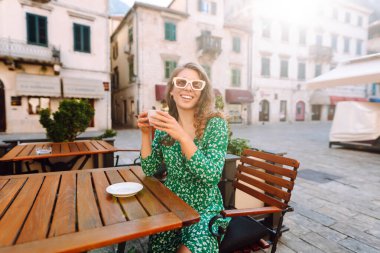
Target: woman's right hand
x: 143, y: 123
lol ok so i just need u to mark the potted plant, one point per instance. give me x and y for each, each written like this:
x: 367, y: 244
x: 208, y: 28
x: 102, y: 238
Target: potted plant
x: 71, y: 119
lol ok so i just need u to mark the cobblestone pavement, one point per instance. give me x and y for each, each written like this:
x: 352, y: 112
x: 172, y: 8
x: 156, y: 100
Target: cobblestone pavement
x: 336, y: 198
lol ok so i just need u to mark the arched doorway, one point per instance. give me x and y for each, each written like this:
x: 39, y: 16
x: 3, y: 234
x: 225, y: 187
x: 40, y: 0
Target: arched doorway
x: 264, y: 110
x: 300, y: 111
x: 2, y: 107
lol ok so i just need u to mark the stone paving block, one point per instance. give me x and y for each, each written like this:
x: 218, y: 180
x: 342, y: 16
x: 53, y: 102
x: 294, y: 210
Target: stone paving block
x: 298, y: 245
x: 281, y: 248
x: 357, y: 246
x: 322, y: 230
x: 364, y: 222
x: 358, y: 235
x: 323, y: 244
x: 320, y: 218
x: 332, y: 213
x: 374, y: 231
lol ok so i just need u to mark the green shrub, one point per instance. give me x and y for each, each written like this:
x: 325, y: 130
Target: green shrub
x: 108, y: 133
x: 237, y: 145
x: 71, y: 119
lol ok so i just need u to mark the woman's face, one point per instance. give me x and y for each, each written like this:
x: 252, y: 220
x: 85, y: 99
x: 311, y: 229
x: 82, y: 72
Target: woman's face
x: 186, y: 98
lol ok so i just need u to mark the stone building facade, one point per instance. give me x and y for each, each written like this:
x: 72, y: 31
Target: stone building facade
x: 151, y: 41
x: 50, y: 50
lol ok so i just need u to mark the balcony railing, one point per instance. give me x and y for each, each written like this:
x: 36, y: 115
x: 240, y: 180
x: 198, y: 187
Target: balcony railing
x: 320, y: 53
x: 208, y: 44
x: 41, y: 1
x: 21, y: 50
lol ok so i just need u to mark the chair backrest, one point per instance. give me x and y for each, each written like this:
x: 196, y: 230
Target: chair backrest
x: 267, y: 177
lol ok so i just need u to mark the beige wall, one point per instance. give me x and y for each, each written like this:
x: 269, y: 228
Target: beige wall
x: 60, y: 15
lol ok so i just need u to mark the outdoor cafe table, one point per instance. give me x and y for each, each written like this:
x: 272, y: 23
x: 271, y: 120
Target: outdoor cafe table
x: 72, y: 212
x: 78, y: 149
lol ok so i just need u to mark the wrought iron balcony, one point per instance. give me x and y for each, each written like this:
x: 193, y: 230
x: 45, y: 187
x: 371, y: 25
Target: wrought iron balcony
x: 20, y: 50
x: 320, y: 53
x: 208, y: 44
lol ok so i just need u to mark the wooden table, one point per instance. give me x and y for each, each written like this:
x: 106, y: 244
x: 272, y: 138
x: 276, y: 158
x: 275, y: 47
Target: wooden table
x: 71, y: 212
x: 78, y: 149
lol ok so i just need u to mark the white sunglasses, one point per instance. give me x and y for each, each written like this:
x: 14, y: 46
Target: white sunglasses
x: 182, y: 83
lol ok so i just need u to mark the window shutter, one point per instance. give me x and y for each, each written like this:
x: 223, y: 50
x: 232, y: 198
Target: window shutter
x: 76, y: 37
x: 86, y: 38
x: 42, y: 31
x: 30, y: 26
x: 174, y: 32
x: 200, y: 5
x: 167, y: 32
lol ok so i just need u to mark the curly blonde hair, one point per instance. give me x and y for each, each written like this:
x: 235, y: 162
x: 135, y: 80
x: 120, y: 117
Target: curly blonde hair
x: 205, y: 106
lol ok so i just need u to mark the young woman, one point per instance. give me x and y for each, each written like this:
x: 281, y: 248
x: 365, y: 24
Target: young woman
x: 192, y: 141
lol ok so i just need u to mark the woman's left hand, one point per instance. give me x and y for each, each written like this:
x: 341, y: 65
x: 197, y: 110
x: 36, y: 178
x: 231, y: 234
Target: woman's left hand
x: 165, y: 122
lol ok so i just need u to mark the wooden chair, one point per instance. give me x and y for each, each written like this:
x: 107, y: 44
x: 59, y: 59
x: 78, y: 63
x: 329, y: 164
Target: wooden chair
x: 270, y: 179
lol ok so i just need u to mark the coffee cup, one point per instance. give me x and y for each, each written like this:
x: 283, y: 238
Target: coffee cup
x: 150, y: 114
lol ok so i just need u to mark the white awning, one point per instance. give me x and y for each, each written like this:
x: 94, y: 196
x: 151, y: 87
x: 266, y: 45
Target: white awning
x: 38, y: 85
x: 82, y: 88
x: 362, y: 70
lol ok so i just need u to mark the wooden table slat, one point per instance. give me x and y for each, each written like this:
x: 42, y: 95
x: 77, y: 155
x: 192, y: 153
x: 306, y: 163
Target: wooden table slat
x: 81, y: 146
x: 100, y: 237
x: 14, y: 218
x: 3, y: 182
x: 97, y: 145
x: 106, y: 145
x: 73, y: 147
x: 38, y: 222
x: 65, y: 148
x: 91, y: 147
x: 110, y: 209
x: 13, y: 152
x: 151, y: 204
x: 88, y: 216
x: 8, y: 193
x: 132, y: 208
x: 172, y: 201
x: 27, y: 150
x: 64, y: 219
x: 55, y: 148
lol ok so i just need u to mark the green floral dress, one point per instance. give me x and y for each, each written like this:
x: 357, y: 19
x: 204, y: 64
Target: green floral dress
x: 195, y: 181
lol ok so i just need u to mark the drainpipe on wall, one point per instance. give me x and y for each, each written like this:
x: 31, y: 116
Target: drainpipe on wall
x: 137, y: 64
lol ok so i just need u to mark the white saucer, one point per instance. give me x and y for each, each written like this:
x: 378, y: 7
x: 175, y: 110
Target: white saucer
x: 125, y: 189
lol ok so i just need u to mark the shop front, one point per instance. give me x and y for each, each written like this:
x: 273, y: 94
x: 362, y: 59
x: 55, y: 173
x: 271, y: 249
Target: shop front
x: 237, y: 101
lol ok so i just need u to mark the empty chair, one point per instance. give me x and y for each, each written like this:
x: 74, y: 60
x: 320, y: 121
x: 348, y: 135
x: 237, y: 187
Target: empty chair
x: 270, y: 179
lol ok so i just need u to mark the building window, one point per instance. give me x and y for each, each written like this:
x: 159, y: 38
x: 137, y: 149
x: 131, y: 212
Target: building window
x: 347, y: 18
x: 302, y: 37
x: 16, y: 101
x: 82, y: 41
x: 206, y: 6
x: 318, y: 70
x: 170, y: 31
x: 36, y: 29
x: 130, y: 35
x: 131, y: 69
x: 334, y: 42
x: 169, y: 67
x: 266, y: 32
x: 285, y: 33
x: 235, y: 77
x: 265, y: 66
x: 301, y: 71
x: 35, y: 104
x: 207, y: 69
x: 284, y: 68
x: 359, y: 47
x: 346, y: 44
x: 283, y: 110
x: 236, y: 44
x: 360, y: 20
x: 115, y: 79
x: 115, y: 50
